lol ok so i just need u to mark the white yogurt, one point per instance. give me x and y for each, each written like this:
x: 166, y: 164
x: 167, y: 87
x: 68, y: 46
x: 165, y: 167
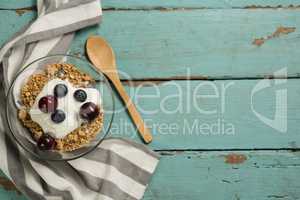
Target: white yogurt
x: 68, y: 104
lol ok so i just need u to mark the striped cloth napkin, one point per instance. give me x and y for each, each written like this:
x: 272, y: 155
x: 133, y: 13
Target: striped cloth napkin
x: 117, y: 169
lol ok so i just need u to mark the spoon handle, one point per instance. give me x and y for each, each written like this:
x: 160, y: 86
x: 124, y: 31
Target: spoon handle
x: 135, y: 116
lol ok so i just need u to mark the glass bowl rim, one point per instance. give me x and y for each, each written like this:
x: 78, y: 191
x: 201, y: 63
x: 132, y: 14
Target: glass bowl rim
x: 76, y: 156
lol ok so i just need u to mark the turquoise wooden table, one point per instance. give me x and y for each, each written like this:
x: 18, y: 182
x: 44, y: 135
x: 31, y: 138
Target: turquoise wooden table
x: 221, y: 79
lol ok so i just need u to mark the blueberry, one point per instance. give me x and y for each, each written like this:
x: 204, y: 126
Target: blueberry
x: 80, y: 95
x: 58, y: 116
x: 60, y: 90
x: 46, y: 142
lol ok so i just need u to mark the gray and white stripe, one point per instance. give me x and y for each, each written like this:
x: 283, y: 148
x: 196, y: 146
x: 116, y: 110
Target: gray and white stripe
x: 117, y: 169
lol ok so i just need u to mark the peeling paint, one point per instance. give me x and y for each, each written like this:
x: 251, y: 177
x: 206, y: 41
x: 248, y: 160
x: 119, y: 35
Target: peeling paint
x: 225, y: 181
x: 271, y: 7
x: 21, y: 11
x: 281, y: 30
x: 8, y: 185
x: 259, y: 42
x: 235, y: 158
x: 159, y: 8
x: 167, y: 153
x: 278, y: 196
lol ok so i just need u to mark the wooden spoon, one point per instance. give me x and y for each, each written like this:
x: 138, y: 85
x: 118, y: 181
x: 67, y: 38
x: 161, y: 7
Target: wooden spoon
x: 102, y: 56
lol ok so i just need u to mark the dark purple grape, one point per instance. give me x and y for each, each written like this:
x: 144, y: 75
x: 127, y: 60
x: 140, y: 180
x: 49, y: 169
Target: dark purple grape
x: 89, y: 111
x: 46, y: 142
x: 80, y: 95
x: 48, y: 104
x: 60, y: 90
x: 58, y: 116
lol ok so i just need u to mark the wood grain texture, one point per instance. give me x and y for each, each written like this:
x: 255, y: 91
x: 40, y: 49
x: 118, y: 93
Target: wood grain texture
x: 270, y: 175
x: 154, y: 41
x: 194, y: 4
x: 14, y: 4
x: 264, y: 175
x: 210, y: 44
x: 153, y: 4
x: 11, y: 22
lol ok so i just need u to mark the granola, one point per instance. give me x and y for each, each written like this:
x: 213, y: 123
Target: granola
x: 29, y: 92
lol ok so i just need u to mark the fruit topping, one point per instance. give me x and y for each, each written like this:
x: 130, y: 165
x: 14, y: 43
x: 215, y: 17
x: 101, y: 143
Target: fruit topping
x: 60, y: 90
x: 89, y: 111
x: 58, y: 116
x: 80, y: 95
x: 46, y: 142
x: 48, y: 104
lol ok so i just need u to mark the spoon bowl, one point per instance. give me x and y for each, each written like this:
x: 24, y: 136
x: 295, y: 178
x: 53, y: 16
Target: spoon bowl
x: 101, y: 53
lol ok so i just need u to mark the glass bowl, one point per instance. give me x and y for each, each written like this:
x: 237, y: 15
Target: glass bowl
x: 23, y: 136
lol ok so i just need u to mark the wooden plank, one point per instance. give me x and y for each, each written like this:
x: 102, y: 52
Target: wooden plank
x: 176, y: 113
x: 206, y: 175
x: 11, y: 22
x: 13, y: 4
x: 225, y: 4
x: 221, y: 175
x: 210, y: 45
x: 152, y: 4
